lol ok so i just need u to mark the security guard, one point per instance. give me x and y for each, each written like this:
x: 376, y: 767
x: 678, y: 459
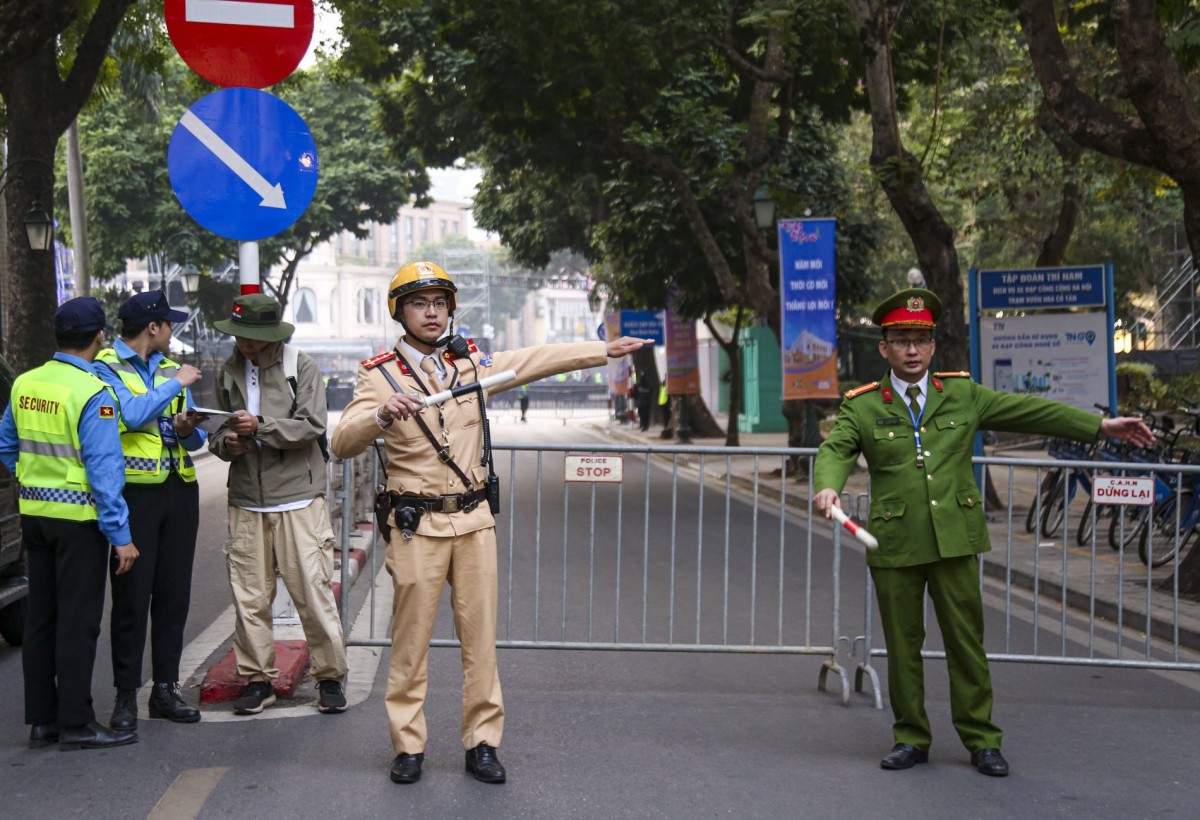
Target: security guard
x: 59, y: 436
x: 917, y: 432
x: 164, y: 506
x: 438, y: 477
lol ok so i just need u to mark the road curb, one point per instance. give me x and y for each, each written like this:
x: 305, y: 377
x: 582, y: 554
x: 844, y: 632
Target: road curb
x: 221, y: 682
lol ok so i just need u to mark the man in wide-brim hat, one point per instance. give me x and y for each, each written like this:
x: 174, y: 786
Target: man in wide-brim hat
x: 277, y: 516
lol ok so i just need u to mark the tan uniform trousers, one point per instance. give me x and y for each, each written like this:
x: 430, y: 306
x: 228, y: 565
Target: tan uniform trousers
x: 300, y: 544
x: 419, y: 569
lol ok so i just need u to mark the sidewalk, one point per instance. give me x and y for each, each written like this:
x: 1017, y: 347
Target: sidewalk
x: 1115, y: 592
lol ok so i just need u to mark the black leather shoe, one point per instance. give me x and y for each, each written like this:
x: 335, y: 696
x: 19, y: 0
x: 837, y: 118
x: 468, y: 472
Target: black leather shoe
x: 407, y: 768
x: 165, y: 702
x: 42, y: 735
x: 124, y: 714
x: 484, y: 765
x: 904, y: 756
x: 990, y: 762
x: 92, y: 736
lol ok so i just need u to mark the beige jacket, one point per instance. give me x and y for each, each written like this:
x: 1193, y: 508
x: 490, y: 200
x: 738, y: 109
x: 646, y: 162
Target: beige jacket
x: 287, y: 464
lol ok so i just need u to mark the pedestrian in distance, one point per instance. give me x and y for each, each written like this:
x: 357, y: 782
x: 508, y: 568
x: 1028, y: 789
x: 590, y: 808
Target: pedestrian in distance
x: 59, y: 437
x: 523, y: 398
x: 916, y: 430
x: 157, y: 435
x: 274, y: 443
x: 641, y: 397
x: 444, y: 496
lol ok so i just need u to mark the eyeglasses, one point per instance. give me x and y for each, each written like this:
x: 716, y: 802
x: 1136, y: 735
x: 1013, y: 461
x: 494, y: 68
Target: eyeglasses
x: 422, y: 305
x: 903, y: 344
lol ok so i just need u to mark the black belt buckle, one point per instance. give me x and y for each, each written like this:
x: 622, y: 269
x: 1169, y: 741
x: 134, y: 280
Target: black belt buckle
x: 450, y: 503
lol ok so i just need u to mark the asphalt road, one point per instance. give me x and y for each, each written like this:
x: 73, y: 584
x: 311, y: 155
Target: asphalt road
x: 599, y: 734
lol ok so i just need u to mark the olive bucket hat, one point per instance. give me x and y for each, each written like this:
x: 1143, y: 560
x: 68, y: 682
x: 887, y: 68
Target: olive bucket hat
x: 256, y: 316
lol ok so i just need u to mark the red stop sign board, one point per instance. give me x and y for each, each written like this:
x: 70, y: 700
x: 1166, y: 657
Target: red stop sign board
x: 243, y: 43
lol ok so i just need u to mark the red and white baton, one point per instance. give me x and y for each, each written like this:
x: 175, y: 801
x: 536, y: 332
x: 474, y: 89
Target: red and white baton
x: 854, y: 528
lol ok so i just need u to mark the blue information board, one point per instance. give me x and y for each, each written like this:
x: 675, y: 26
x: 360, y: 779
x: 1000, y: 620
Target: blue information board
x: 243, y: 163
x: 643, y: 324
x: 1042, y: 288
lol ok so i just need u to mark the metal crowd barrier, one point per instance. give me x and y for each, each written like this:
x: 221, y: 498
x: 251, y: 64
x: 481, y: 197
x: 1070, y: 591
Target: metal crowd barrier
x: 663, y: 561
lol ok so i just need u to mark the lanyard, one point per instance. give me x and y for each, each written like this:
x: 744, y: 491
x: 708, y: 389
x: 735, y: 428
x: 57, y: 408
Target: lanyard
x: 916, y: 423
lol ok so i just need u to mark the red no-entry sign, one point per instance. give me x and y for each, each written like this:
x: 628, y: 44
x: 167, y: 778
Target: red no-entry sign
x: 248, y: 43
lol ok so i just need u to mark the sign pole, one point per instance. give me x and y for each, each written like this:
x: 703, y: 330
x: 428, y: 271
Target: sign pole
x: 248, y: 278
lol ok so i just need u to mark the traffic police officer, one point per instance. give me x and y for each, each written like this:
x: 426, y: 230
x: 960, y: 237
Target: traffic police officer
x: 438, y: 478
x: 164, y: 506
x: 917, y: 432
x: 59, y: 435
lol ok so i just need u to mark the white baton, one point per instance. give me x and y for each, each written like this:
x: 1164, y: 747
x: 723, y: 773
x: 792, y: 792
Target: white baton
x: 854, y: 528
x: 503, y: 377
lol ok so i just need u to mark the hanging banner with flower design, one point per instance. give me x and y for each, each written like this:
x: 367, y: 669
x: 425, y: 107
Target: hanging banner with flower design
x: 809, y: 320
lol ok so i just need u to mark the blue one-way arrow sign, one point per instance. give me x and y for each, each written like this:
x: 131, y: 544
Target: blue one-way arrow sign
x: 243, y: 163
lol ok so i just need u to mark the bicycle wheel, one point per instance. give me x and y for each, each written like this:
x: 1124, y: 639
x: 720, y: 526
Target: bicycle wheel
x: 1053, y: 509
x: 1132, y: 519
x: 1163, y: 533
x: 1049, y: 481
x: 1087, y: 525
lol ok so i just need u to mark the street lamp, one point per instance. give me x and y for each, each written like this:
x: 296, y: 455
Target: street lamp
x: 39, y: 227
x: 165, y: 248
x: 764, y: 208
x: 191, y: 286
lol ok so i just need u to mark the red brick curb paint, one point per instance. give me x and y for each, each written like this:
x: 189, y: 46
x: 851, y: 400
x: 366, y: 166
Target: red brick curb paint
x: 222, y: 682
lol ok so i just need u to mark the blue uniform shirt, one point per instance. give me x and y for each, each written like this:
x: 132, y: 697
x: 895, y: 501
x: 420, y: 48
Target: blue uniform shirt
x: 139, y: 410
x: 102, y: 456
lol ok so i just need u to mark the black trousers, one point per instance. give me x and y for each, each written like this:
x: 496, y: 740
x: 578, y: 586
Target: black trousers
x: 67, y: 561
x: 157, y: 592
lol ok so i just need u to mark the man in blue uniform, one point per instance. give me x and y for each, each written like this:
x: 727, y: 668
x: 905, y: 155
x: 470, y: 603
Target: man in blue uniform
x: 59, y: 437
x: 164, y: 506
x: 917, y: 432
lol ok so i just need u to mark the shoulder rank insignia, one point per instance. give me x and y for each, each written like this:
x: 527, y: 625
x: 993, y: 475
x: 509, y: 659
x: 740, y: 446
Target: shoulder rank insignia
x: 375, y: 361
x: 448, y: 356
x: 955, y: 374
x: 858, y: 391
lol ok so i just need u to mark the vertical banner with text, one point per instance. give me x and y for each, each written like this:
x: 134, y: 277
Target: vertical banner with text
x: 683, y: 363
x: 618, y: 369
x: 809, y: 321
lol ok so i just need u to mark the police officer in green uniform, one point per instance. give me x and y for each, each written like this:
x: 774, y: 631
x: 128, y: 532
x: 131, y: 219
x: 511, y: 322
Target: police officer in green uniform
x: 59, y: 435
x: 917, y: 433
x: 164, y: 506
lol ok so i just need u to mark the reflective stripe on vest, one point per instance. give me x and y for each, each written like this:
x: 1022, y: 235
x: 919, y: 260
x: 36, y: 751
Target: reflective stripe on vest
x: 147, y: 459
x: 47, y: 403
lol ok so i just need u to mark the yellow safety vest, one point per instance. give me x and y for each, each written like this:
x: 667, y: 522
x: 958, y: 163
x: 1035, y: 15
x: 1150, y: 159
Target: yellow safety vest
x: 147, y: 459
x: 47, y: 403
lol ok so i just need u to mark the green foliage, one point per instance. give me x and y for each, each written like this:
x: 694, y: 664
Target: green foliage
x: 1138, y: 388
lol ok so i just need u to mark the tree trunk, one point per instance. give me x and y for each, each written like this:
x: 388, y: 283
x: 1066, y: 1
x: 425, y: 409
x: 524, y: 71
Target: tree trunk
x: 28, y: 337
x: 902, y: 178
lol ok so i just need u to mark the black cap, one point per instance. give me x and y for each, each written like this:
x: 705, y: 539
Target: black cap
x: 83, y: 314
x: 151, y: 306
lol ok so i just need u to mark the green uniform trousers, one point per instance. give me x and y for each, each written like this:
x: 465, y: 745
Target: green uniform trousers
x: 953, y: 585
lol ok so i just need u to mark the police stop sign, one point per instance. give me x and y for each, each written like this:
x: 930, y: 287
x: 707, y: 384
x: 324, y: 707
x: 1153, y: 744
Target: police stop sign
x: 244, y: 43
x: 600, y: 469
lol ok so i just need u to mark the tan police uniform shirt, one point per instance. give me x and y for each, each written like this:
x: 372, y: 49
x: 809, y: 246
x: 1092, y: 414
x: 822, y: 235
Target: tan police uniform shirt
x: 413, y: 467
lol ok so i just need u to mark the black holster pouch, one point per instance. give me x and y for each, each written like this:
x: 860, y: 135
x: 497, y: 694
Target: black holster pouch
x: 383, y: 512
x: 408, y: 518
x: 493, y: 494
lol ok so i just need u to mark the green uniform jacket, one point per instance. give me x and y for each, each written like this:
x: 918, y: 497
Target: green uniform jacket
x: 922, y: 514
